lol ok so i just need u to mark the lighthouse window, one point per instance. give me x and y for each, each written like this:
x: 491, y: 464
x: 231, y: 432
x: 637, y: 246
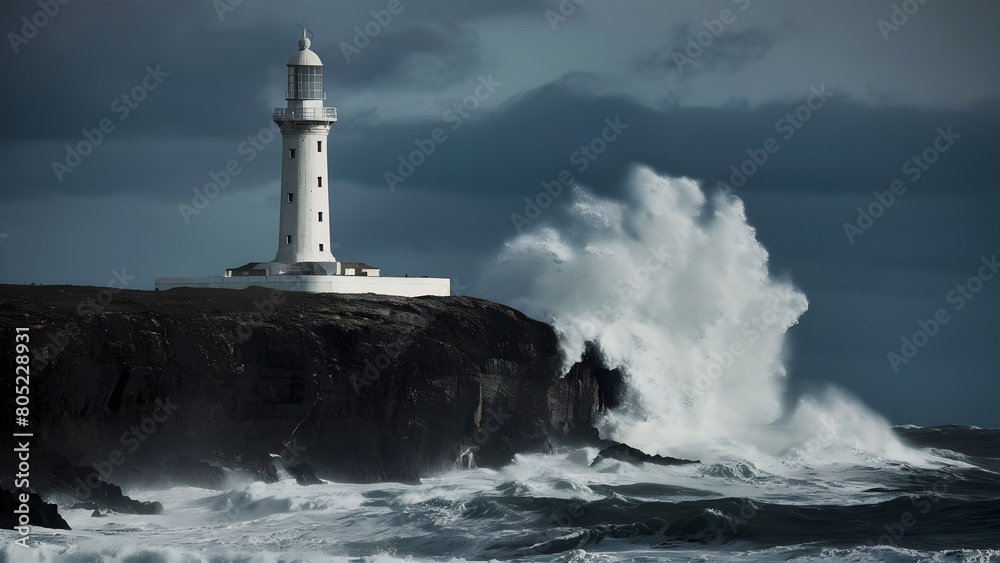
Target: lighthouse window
x: 291, y: 153
x: 320, y: 180
x: 288, y: 239
x: 304, y: 83
x: 290, y: 195
x: 320, y: 216
x: 321, y: 247
x: 319, y: 146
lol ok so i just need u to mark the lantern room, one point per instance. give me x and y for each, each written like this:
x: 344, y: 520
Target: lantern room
x: 305, y: 74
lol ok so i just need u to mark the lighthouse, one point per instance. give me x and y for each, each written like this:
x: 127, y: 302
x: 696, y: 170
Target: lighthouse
x: 305, y: 261
x: 304, y: 218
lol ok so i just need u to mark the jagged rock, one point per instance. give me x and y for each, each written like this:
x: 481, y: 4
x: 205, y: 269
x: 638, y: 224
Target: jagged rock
x: 196, y: 473
x: 270, y: 473
x: 96, y: 494
x: 304, y: 474
x: 362, y: 387
x: 40, y: 513
x: 587, y: 391
x: 110, y: 497
x: 628, y: 454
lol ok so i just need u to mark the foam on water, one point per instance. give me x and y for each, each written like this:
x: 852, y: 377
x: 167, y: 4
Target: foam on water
x: 471, y: 511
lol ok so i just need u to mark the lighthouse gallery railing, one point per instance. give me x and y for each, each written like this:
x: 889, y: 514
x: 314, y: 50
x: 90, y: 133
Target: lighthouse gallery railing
x: 305, y: 113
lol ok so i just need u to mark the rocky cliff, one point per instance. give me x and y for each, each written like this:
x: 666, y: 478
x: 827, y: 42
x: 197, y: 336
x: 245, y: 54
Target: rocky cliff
x: 148, y: 386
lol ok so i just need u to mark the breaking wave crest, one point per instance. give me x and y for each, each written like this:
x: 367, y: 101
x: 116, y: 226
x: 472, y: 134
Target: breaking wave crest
x: 675, y: 288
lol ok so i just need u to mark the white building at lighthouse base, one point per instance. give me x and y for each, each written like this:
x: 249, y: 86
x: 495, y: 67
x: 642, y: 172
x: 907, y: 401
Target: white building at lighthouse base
x: 403, y: 287
x: 315, y: 277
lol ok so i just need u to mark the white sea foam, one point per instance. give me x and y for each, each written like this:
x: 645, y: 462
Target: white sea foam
x: 676, y: 290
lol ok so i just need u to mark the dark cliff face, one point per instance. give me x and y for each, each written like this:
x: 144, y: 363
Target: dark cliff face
x: 362, y: 387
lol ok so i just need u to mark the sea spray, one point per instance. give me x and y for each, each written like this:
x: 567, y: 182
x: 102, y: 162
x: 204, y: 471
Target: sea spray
x: 676, y: 290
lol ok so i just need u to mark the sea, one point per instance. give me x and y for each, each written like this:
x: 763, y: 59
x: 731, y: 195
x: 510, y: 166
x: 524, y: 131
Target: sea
x: 942, y: 506
x: 675, y: 288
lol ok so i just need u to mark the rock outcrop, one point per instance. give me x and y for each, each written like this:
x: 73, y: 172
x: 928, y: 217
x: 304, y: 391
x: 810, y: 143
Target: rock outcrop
x: 188, y: 385
x: 628, y: 454
x: 40, y: 513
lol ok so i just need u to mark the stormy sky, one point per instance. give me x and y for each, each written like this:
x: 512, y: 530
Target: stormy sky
x: 160, y: 95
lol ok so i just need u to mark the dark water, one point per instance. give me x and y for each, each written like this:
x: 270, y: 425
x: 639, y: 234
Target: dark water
x: 946, y: 513
x: 945, y: 506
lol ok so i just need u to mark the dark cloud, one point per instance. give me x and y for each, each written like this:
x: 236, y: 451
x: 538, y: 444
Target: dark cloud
x: 78, y: 68
x: 119, y: 207
x: 703, y: 143
x: 695, y: 50
x: 455, y: 10
x: 418, y: 57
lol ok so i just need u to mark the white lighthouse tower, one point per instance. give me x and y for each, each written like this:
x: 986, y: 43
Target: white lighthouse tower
x: 305, y: 261
x: 304, y: 227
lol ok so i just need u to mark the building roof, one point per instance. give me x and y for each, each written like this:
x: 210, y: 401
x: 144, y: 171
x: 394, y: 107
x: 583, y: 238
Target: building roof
x: 358, y: 266
x: 305, y: 57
